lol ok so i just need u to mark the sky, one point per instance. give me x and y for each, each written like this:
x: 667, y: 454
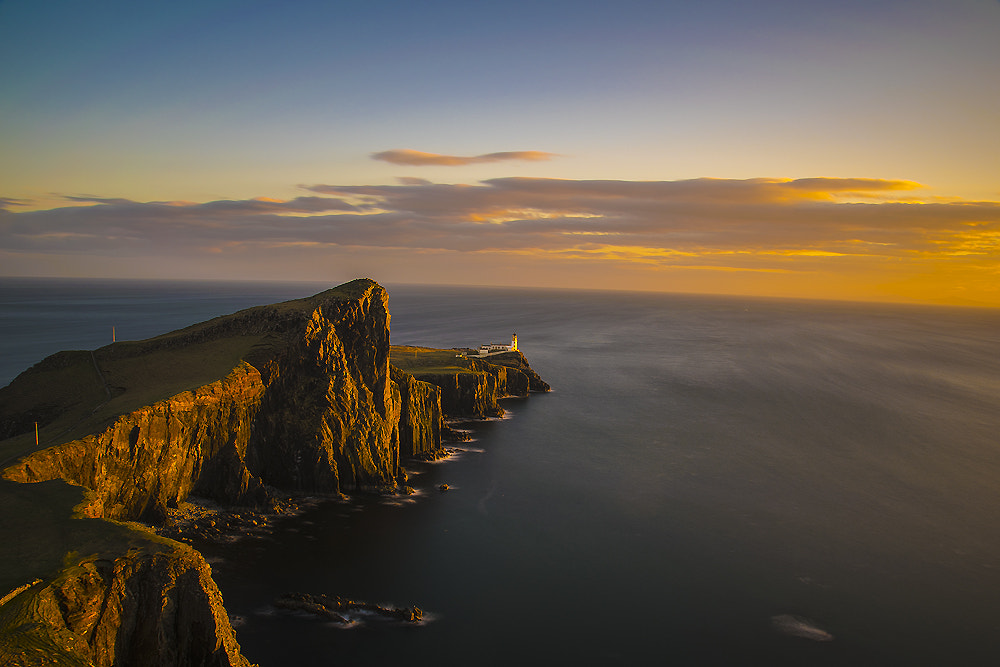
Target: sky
x: 809, y: 149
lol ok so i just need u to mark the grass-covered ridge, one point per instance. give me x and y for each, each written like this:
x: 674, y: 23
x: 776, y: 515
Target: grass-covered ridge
x: 45, y: 532
x: 77, y: 393
x: 419, y: 361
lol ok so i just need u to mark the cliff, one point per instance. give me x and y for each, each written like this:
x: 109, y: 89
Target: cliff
x: 329, y: 414
x: 154, y: 456
x: 91, y: 592
x: 420, y: 415
x: 469, y: 387
x: 294, y: 395
x: 516, y: 360
x: 473, y: 393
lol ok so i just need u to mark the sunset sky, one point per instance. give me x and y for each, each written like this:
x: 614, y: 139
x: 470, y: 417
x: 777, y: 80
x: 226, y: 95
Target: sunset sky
x: 845, y: 150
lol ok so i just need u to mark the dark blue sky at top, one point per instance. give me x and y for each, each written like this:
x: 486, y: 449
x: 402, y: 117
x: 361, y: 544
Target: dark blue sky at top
x: 289, y: 86
x: 279, y: 53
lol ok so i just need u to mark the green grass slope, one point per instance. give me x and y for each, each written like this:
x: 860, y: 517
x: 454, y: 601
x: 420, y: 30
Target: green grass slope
x: 425, y: 360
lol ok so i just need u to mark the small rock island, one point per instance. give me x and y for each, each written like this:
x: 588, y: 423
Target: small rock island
x: 304, y: 397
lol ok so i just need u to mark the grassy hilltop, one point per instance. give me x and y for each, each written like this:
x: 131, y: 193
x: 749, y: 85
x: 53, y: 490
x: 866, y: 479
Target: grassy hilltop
x: 419, y: 361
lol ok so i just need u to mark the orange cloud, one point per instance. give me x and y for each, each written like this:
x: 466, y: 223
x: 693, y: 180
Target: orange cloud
x: 411, y: 158
x: 845, y: 227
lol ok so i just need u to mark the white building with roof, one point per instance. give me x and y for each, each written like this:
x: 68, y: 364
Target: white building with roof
x: 497, y: 348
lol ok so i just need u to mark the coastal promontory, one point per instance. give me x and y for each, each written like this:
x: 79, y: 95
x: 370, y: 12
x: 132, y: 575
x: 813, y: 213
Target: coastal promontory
x: 271, y: 402
x: 295, y: 395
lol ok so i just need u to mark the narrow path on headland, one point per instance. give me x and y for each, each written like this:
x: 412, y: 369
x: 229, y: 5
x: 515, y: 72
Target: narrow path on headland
x: 42, y: 444
x: 101, y: 377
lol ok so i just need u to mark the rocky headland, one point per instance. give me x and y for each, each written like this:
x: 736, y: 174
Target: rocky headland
x: 271, y: 402
x: 469, y: 387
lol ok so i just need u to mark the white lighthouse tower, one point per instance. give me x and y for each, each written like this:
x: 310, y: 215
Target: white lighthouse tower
x: 513, y: 343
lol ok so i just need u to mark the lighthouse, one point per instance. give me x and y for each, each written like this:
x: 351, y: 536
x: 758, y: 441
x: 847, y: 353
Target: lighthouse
x: 513, y: 343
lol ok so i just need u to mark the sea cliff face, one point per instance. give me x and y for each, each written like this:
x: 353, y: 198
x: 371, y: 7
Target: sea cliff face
x: 151, y: 458
x: 330, y: 410
x: 94, y: 592
x: 313, y: 410
x: 420, y: 416
x: 159, y: 609
x: 475, y: 391
x: 515, y: 360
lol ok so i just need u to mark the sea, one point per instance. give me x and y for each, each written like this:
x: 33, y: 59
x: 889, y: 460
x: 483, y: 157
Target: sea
x: 712, y: 481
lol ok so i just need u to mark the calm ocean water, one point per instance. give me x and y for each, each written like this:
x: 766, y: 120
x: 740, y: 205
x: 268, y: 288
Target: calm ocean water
x: 705, y: 470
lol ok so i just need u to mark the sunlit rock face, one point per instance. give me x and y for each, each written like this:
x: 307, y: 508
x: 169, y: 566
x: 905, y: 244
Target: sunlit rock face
x: 153, y: 457
x: 159, y: 609
x: 329, y: 414
x: 311, y: 407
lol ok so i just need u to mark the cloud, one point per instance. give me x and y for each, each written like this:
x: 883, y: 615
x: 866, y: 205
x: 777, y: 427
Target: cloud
x: 92, y: 199
x: 221, y: 208
x: 763, y: 224
x: 7, y: 202
x: 411, y: 158
x: 698, y: 213
x: 800, y: 237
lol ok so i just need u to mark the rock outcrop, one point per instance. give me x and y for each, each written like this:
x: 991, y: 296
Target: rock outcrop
x: 159, y: 609
x: 476, y: 389
x: 308, y: 406
x: 420, y: 416
x: 153, y: 457
x: 339, y: 610
x: 514, y: 359
x: 329, y: 414
x: 99, y: 593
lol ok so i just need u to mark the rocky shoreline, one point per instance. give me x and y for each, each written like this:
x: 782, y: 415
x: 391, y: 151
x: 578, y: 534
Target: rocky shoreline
x: 202, y: 519
x: 338, y: 609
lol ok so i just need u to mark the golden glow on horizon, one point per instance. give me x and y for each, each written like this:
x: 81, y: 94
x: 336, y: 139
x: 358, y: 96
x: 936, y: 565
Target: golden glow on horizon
x: 977, y: 243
